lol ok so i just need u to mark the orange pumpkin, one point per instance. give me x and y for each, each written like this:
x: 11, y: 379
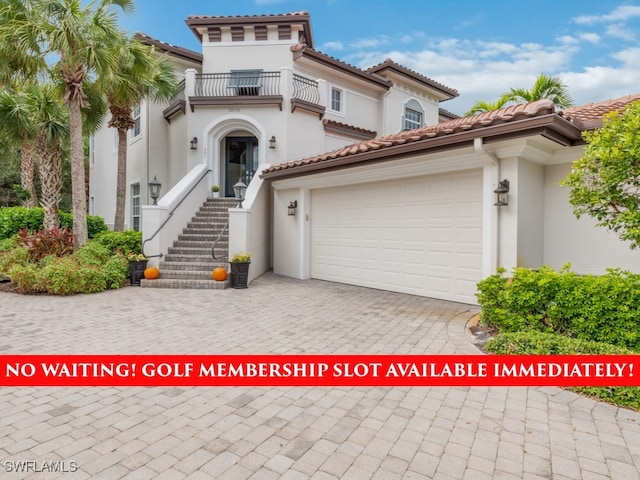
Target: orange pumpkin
x: 151, y: 273
x: 219, y: 274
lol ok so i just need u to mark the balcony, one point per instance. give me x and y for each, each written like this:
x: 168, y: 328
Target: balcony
x: 306, y: 96
x: 177, y: 103
x: 239, y: 87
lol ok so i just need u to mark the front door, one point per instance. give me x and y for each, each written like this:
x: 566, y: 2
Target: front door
x: 241, y: 161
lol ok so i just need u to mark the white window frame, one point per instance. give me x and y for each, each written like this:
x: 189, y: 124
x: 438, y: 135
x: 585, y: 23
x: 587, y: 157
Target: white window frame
x: 412, y: 106
x: 341, y: 100
x: 135, y: 206
x: 136, y: 114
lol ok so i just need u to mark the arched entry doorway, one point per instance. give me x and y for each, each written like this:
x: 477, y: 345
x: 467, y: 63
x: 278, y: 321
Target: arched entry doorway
x: 241, y: 161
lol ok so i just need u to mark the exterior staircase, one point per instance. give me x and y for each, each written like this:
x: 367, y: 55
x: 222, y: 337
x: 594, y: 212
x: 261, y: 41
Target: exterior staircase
x: 189, y: 262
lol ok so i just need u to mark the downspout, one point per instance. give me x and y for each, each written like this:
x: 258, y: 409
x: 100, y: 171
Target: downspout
x: 491, y: 213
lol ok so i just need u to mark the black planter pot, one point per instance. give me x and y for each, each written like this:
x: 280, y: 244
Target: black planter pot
x: 239, y: 274
x: 136, y: 271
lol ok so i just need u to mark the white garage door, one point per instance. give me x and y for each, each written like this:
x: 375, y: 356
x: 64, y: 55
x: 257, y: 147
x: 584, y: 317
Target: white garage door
x: 421, y: 235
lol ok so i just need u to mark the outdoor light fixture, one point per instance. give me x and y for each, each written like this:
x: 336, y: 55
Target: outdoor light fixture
x: 154, y: 190
x: 502, y: 194
x: 293, y: 206
x: 272, y: 142
x: 238, y: 190
x: 194, y: 143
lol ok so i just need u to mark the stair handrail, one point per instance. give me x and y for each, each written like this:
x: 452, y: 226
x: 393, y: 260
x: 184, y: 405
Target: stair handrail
x: 213, y: 245
x: 160, y: 255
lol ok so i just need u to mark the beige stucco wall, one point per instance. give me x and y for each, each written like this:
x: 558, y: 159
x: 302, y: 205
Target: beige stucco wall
x: 590, y: 249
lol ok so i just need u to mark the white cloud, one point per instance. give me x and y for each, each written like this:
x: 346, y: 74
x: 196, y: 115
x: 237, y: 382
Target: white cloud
x: 335, y: 46
x: 619, y: 30
x: 593, y: 38
x: 621, y: 13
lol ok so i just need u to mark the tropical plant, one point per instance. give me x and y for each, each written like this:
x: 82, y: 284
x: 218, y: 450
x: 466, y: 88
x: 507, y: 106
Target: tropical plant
x: 139, y: 74
x: 545, y: 87
x: 81, y: 36
x: 605, y: 182
x: 481, y: 106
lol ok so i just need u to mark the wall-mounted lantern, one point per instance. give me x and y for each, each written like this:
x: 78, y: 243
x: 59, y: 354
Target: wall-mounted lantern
x: 154, y: 190
x: 291, y: 209
x: 502, y: 194
x: 272, y: 142
x: 194, y: 143
x: 239, y: 189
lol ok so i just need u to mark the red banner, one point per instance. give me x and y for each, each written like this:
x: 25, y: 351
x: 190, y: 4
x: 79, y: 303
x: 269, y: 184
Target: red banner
x: 318, y: 370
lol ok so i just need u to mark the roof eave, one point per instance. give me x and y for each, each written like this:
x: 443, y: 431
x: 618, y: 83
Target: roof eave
x: 327, y: 61
x: 550, y: 126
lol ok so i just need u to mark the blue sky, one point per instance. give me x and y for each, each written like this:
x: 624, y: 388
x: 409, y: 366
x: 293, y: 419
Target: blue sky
x: 480, y: 48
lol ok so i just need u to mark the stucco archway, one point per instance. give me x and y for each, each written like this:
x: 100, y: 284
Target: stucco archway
x: 230, y: 125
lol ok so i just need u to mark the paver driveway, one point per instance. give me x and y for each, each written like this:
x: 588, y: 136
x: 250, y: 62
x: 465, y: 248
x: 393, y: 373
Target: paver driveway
x: 289, y: 433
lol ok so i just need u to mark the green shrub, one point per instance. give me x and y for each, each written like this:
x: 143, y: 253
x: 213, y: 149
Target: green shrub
x: 604, y: 308
x: 95, y: 224
x: 539, y: 343
x: 13, y: 219
x: 8, y: 244
x: 128, y: 241
x: 19, y: 256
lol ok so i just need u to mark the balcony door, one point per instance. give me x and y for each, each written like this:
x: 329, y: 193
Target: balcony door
x: 241, y: 161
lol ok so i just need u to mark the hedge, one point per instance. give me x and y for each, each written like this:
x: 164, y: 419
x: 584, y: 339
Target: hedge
x: 13, y: 219
x: 539, y: 343
x: 602, y: 308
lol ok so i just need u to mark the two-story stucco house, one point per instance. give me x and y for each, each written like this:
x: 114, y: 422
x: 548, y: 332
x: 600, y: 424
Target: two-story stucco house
x: 404, y: 199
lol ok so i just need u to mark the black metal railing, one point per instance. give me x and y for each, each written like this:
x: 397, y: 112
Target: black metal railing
x: 305, y: 89
x: 238, y: 84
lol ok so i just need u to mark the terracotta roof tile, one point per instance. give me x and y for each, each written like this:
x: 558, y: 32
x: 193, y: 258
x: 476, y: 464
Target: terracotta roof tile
x: 507, y: 114
x: 167, y: 47
x: 291, y: 14
x: 585, y: 116
x: 389, y: 64
x: 595, y: 111
x: 339, y: 127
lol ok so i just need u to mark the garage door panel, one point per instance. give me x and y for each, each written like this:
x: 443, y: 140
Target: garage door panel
x: 420, y: 235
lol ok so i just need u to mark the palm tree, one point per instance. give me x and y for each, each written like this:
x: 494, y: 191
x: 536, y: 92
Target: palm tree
x: 37, y: 112
x: 545, y: 86
x: 81, y: 36
x: 16, y: 124
x: 140, y: 74
x: 481, y: 106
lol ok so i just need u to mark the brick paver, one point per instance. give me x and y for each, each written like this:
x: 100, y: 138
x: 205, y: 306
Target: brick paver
x: 289, y: 433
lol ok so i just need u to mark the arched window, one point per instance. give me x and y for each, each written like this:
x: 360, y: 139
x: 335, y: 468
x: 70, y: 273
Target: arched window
x: 413, y: 115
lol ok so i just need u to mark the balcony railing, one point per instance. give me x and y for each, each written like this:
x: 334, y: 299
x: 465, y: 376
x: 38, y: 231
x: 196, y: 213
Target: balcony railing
x: 305, y: 89
x: 176, y: 104
x: 306, y: 95
x: 240, y: 83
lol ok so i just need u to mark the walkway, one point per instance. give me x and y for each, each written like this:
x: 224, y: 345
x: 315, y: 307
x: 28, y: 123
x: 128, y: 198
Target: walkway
x: 289, y: 433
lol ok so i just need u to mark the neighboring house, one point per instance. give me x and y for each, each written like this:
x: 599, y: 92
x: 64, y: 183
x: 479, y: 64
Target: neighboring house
x: 405, y: 199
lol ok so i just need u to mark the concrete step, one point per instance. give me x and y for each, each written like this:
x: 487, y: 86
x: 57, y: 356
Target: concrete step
x: 190, y: 266
x: 190, y: 250
x: 185, y: 283
x: 199, y: 237
x: 186, y: 274
x: 197, y: 243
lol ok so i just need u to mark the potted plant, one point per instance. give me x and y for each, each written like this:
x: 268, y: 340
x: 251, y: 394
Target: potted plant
x: 240, y: 270
x: 137, y: 266
x: 215, y: 191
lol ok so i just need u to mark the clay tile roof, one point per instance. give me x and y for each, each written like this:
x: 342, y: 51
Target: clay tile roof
x: 590, y: 115
x: 389, y: 64
x: 508, y: 114
x: 306, y: 51
x: 301, y: 13
x: 168, y: 48
x: 349, y: 130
